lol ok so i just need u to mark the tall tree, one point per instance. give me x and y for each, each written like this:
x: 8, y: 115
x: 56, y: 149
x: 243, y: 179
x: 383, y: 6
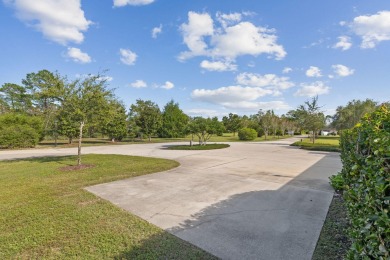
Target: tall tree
x: 204, y: 128
x: 114, y: 123
x: 174, y: 121
x: 86, y: 103
x: 47, y: 92
x: 232, y: 123
x: 266, y: 121
x: 147, y: 116
x: 15, y: 97
x: 348, y: 116
x: 312, y: 117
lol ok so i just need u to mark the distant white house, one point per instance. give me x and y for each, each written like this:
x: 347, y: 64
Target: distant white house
x: 325, y: 132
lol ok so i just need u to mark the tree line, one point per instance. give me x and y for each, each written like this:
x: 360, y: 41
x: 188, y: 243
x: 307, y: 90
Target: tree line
x: 48, y: 104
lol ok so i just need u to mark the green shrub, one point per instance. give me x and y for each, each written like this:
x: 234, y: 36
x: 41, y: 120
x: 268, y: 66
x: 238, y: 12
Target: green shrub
x: 366, y: 174
x: 246, y: 134
x: 18, y: 136
x: 34, y: 122
x: 337, y: 181
x: 20, y: 131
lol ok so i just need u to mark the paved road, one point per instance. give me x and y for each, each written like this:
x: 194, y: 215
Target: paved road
x: 250, y: 201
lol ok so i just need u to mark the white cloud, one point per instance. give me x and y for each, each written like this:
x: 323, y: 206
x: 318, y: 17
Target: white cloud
x: 246, y: 39
x: 127, y: 56
x: 286, y: 70
x: 237, y: 97
x: 313, y: 72
x: 120, y: 3
x: 312, y: 89
x: 372, y: 28
x: 226, y: 96
x: 228, y: 19
x: 235, y: 38
x: 255, y: 106
x: 106, y: 78
x: 202, y: 112
x: 168, y: 85
x: 198, y: 27
x: 344, y: 43
x: 61, y: 21
x: 342, y: 71
x: 138, y: 84
x: 156, y: 31
x: 218, y: 65
x: 268, y: 81
x: 78, y: 56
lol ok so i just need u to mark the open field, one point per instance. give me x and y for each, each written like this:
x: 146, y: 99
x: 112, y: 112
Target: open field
x: 322, y: 143
x: 45, y: 213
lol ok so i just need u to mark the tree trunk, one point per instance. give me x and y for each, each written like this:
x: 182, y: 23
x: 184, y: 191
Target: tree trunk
x: 79, y: 145
x: 113, y: 140
x: 314, y: 136
x: 70, y: 140
x: 150, y: 138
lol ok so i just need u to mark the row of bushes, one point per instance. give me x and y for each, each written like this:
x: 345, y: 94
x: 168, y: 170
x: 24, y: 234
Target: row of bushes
x: 365, y: 181
x: 20, y: 131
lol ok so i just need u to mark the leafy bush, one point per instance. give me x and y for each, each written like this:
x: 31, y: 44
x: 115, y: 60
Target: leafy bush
x: 366, y: 174
x: 246, y: 134
x: 20, y: 131
x: 337, y: 182
x: 34, y: 122
x: 18, y: 136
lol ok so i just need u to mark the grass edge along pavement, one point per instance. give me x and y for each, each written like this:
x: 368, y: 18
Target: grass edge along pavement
x: 227, y: 137
x: 323, y: 143
x: 333, y: 243
x: 46, y: 213
x: 198, y: 147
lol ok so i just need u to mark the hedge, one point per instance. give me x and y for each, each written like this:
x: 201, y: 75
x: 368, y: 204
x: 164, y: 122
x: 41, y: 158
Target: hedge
x: 366, y: 175
x: 18, y: 136
x: 247, y: 134
x: 20, y: 131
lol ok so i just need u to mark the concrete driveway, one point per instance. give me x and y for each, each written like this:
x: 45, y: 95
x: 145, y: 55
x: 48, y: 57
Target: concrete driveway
x: 250, y: 201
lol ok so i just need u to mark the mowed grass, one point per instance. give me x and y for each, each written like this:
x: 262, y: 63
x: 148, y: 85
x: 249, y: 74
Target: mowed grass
x: 322, y: 143
x: 198, y: 147
x: 226, y: 137
x: 46, y: 213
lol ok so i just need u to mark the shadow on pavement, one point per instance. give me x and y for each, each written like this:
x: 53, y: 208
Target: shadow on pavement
x: 270, y: 224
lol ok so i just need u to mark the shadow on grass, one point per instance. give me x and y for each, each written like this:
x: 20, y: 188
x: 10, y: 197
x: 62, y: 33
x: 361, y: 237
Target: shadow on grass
x: 164, y: 246
x: 63, y: 160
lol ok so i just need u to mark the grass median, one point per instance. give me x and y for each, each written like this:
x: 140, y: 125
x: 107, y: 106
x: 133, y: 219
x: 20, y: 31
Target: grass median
x: 322, y: 143
x: 46, y: 213
x: 198, y: 147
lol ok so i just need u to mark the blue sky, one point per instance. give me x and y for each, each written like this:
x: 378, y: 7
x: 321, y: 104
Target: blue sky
x: 213, y: 57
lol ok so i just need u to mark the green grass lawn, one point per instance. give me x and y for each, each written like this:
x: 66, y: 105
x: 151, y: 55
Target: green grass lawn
x: 198, y: 147
x: 322, y: 143
x: 45, y: 213
x: 226, y: 137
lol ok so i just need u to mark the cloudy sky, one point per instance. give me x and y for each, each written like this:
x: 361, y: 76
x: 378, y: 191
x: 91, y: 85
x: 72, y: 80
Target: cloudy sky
x: 213, y: 57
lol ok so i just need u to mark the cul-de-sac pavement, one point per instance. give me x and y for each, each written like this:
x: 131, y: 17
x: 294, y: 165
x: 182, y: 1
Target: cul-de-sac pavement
x: 253, y: 200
